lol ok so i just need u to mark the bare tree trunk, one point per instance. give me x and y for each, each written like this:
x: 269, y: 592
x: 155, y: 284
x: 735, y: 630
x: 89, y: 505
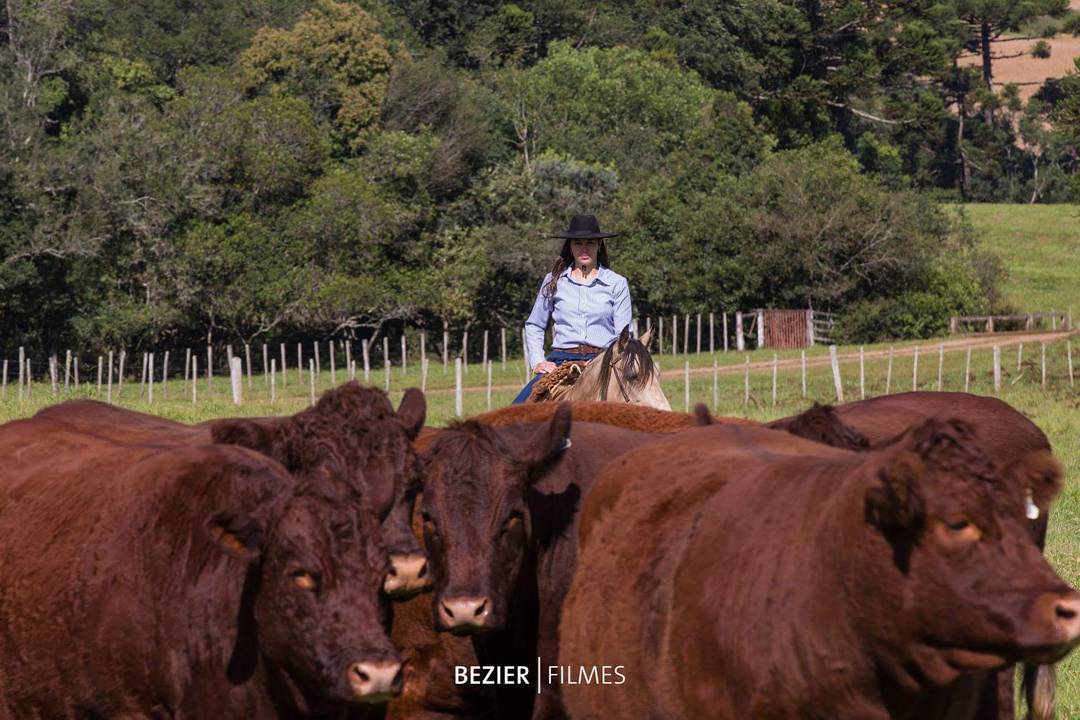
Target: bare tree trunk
x: 987, y: 68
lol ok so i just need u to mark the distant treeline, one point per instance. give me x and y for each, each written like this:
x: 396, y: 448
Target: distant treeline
x: 282, y: 169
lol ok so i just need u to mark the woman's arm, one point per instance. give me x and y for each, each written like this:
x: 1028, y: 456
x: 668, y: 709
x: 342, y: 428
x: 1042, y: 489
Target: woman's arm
x: 536, y: 325
x: 623, y: 311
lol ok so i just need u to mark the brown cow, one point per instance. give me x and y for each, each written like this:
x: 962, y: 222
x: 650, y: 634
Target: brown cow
x: 1005, y: 435
x: 161, y: 579
x: 351, y: 429
x: 500, y: 510
x: 625, y: 415
x: 734, y: 582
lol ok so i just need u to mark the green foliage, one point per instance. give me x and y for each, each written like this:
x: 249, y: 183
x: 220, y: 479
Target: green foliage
x: 1040, y: 50
x: 334, y: 58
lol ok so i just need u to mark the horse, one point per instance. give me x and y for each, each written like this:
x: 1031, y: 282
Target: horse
x: 625, y: 372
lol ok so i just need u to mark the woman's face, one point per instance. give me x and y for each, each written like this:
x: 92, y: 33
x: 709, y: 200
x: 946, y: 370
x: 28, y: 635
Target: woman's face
x: 584, y: 252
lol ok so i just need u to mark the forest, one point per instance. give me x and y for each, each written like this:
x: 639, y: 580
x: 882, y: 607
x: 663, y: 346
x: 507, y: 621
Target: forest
x: 183, y: 171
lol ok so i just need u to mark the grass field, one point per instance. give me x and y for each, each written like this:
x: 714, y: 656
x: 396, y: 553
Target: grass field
x: 1040, y: 245
x: 1056, y: 409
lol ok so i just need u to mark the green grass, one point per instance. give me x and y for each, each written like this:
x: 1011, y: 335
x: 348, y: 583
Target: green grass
x: 1056, y: 409
x: 1040, y: 245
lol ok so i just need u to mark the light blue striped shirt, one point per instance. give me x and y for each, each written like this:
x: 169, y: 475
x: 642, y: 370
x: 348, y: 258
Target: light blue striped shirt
x: 592, y: 313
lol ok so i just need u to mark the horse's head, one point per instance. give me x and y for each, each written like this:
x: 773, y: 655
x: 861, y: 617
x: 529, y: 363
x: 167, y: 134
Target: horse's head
x: 625, y: 372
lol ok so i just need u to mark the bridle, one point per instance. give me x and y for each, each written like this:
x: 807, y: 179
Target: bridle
x: 614, y: 365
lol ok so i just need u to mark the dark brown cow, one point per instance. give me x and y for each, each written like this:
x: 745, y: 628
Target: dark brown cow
x: 161, y: 579
x: 731, y: 581
x: 500, y: 510
x: 822, y: 424
x: 620, y: 414
x: 352, y: 431
x: 1005, y: 435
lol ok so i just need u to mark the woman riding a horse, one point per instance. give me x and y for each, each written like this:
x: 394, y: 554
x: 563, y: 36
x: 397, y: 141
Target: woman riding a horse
x: 588, y: 302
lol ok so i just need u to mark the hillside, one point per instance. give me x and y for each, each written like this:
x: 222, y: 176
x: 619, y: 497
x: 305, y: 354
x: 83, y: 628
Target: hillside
x: 1040, y: 245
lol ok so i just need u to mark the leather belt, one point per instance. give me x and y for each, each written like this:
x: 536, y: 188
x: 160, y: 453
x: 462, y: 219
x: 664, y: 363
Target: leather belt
x: 581, y: 350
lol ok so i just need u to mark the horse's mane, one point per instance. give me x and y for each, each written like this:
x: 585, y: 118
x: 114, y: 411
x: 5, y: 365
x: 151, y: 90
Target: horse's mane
x: 638, y: 369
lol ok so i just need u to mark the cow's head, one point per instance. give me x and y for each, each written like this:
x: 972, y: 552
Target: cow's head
x: 354, y: 430
x: 313, y: 594
x: 822, y: 424
x: 977, y: 593
x: 476, y: 518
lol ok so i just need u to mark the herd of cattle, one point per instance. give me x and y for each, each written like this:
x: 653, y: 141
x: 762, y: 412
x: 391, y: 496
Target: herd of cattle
x: 877, y: 560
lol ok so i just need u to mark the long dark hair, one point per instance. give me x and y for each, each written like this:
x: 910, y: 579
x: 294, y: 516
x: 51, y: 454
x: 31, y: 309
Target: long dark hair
x: 566, y: 259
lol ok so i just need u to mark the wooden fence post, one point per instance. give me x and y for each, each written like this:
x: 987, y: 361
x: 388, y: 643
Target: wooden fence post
x: 862, y: 375
x: 267, y: 372
x: 761, y: 328
x: 367, y: 360
x: 459, y: 409
x: 502, y: 346
x: 967, y: 370
x: 1019, y: 356
x: 725, y: 331
x: 997, y: 369
x: 465, y: 351
x: 1044, y: 365
x: 120, y: 373
x: 423, y: 375
x: 888, y: 372
x: 350, y: 369
x: 404, y: 354
x: 386, y: 363
x: 150, y: 379
x: 674, y: 334
x: 686, y: 386
x: 836, y: 374
x: 484, y: 358
x: 284, y: 370
x: 1068, y: 354
x: 333, y: 365
x: 194, y: 379
x: 273, y: 381
x: 746, y: 382
x: 311, y: 379
x: 300, y: 364
x: 488, y: 364
x: 99, y: 369
x: 445, y: 344
x: 712, y: 333
x: 775, y: 368
x: 660, y: 337
x: 110, y: 378
x: 53, y: 372
x: 29, y: 380
x: 686, y: 334
x: 67, y: 370
x: 22, y: 371
x: 740, y: 343
x: 699, y: 333
x: 915, y: 370
x: 802, y: 362
x: 952, y: 325
x: 247, y: 359
x: 940, y: 364
x: 236, y: 375
x: 142, y: 377
x: 318, y: 361
x: 76, y: 379
x: 3, y: 393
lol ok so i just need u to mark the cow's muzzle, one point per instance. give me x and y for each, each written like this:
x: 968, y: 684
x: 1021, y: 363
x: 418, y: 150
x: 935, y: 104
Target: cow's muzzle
x: 465, y: 614
x: 408, y: 576
x: 375, y: 681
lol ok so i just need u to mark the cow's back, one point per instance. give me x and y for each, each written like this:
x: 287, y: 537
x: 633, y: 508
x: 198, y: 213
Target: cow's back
x: 638, y: 598
x: 114, y: 594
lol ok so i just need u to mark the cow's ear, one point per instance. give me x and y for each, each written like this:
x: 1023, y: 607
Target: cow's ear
x: 646, y: 338
x: 549, y: 442
x: 244, y: 433
x: 1039, y: 473
x: 893, y: 500
x: 237, y: 535
x: 412, y: 411
x: 702, y: 417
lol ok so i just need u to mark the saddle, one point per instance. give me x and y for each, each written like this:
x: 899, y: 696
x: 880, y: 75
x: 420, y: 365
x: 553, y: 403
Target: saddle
x: 554, y: 385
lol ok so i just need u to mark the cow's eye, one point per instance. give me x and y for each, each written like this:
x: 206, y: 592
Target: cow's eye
x: 512, y: 522
x: 305, y: 580
x: 429, y: 523
x: 959, y: 525
x: 961, y: 530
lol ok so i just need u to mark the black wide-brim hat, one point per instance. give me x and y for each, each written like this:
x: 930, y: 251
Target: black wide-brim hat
x: 584, y: 227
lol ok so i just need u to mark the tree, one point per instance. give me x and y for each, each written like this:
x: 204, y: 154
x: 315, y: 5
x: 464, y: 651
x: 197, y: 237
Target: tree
x: 334, y: 58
